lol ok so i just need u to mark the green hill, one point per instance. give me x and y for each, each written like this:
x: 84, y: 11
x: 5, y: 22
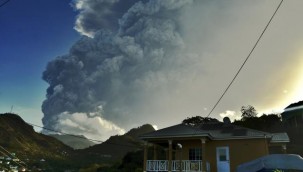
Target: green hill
x: 45, y: 153
x: 117, y: 146
x: 19, y: 138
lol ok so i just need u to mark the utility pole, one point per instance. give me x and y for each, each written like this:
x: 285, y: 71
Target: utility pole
x: 12, y: 107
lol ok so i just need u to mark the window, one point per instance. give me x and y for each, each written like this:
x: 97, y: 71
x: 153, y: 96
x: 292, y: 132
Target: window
x: 222, y: 155
x: 195, y: 154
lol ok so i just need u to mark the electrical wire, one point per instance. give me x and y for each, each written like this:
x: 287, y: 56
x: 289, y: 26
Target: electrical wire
x: 60, y: 132
x: 94, y: 140
x: 9, y: 154
x: 234, y: 78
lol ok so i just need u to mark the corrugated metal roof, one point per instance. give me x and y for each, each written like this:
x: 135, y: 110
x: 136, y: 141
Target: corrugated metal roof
x: 179, y: 130
x: 214, y: 131
x: 279, y: 137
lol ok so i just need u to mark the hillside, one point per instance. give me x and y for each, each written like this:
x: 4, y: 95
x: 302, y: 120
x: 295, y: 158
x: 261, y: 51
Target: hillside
x: 40, y: 151
x: 117, y: 146
x: 76, y: 142
x: 18, y: 137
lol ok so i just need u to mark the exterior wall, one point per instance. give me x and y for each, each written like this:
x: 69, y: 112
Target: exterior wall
x: 277, y: 148
x: 240, y: 151
x: 293, y: 118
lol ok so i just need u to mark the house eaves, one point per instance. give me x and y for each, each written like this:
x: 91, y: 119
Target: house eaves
x: 213, y: 131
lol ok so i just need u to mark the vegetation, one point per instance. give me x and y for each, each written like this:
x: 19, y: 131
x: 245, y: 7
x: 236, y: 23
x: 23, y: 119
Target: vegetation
x: 74, y: 141
x: 19, y: 140
x: 116, y: 147
x: 45, y: 153
x: 132, y: 161
x: 248, y: 112
x: 269, y: 123
x: 198, y: 120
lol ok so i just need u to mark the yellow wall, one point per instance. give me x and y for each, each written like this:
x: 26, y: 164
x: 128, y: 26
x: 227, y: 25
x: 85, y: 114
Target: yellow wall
x: 240, y: 151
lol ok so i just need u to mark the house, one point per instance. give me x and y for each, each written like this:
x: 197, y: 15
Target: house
x: 211, y: 146
x: 16, y: 160
x: 293, y: 115
x: 14, y: 168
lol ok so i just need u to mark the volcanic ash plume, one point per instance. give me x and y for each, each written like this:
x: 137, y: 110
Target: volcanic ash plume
x: 101, y: 83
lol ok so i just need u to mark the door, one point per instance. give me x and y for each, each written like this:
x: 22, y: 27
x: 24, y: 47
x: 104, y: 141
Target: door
x: 223, y: 159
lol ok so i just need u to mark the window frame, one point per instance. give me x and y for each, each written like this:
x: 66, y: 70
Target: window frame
x: 195, y: 154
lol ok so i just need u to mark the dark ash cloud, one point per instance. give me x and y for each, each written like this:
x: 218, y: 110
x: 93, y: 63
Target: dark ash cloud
x: 161, y: 61
x: 110, y: 74
x: 99, y: 14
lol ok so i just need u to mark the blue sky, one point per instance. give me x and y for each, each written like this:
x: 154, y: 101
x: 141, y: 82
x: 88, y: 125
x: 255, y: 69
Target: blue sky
x: 159, y: 61
x: 31, y: 34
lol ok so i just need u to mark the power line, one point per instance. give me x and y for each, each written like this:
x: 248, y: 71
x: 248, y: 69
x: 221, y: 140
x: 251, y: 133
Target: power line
x: 94, y: 140
x: 9, y: 154
x: 1, y: 5
x: 56, y: 131
x: 245, y: 59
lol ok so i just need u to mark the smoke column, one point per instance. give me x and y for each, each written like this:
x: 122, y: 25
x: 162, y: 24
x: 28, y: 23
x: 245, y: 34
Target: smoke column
x: 114, y: 68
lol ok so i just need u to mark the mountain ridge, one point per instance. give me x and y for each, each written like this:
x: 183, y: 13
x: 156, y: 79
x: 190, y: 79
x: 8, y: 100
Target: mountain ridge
x: 20, y: 138
x: 117, y: 146
x: 74, y: 141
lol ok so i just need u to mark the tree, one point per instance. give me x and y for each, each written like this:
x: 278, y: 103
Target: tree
x: 248, y: 112
x: 268, y: 123
x: 197, y: 120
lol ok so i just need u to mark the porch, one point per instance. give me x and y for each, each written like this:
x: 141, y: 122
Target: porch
x: 176, y: 158
x: 186, y: 166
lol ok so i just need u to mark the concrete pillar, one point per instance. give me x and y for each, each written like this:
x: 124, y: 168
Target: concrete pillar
x: 284, y: 149
x: 180, y: 159
x: 155, y: 152
x: 203, y: 142
x: 166, y: 153
x: 170, y: 155
x: 145, y: 156
x: 266, y: 145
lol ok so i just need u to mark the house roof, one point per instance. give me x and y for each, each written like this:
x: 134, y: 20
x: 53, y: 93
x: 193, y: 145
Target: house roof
x: 214, y: 131
x: 292, y: 110
x: 279, y: 137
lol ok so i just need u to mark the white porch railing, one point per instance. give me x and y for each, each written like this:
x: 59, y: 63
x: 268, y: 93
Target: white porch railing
x: 186, y: 165
x: 157, y: 165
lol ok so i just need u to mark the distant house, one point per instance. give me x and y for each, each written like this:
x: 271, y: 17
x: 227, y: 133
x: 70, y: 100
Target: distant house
x: 16, y: 160
x: 293, y: 114
x: 13, y: 168
x: 212, y: 146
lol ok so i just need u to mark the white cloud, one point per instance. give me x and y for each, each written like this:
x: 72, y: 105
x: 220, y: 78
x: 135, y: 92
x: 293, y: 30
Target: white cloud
x: 92, y: 16
x: 92, y: 125
x: 155, y: 127
x: 232, y: 115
